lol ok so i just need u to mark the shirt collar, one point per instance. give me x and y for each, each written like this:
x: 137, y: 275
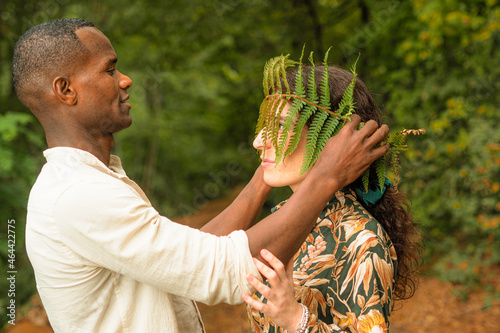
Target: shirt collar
x: 71, y: 156
x: 340, y: 196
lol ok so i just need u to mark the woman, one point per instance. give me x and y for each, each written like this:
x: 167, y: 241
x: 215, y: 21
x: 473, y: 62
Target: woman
x: 361, y: 255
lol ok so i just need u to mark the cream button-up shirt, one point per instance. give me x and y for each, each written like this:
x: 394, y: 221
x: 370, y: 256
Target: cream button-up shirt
x: 106, y: 261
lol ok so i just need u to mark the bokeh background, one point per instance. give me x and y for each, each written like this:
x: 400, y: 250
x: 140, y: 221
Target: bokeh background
x: 196, y: 68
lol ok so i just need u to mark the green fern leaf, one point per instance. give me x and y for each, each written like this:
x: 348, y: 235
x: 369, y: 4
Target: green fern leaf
x: 312, y: 137
x: 277, y: 119
x: 293, y: 111
x: 381, y: 171
x: 313, y: 132
x: 307, y: 111
x: 346, y: 105
x: 265, y: 79
x: 277, y: 74
x: 297, y: 106
x: 326, y: 133
x: 365, y: 178
x: 312, y: 94
x: 325, y: 89
x: 299, y: 80
x: 395, y: 167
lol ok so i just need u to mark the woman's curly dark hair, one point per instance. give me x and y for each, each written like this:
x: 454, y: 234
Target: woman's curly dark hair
x: 393, y: 210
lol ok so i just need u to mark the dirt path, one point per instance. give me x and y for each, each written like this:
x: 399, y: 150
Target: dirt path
x: 434, y: 308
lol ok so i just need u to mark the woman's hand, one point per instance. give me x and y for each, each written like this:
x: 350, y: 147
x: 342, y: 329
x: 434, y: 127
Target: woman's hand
x: 281, y: 305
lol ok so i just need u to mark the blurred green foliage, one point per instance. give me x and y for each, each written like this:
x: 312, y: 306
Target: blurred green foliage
x: 197, y: 67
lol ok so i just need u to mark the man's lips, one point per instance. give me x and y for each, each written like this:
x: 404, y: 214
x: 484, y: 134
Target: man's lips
x: 123, y: 101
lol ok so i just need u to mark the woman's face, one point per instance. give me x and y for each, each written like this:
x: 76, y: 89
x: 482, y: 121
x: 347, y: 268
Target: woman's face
x: 286, y: 172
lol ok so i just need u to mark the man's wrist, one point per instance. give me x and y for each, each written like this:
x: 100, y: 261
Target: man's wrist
x: 316, y: 182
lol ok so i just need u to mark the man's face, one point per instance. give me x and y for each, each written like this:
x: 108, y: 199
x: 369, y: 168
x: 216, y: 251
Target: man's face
x: 101, y: 89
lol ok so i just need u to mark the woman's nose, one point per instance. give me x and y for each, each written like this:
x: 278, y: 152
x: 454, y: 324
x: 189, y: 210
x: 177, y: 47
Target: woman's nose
x: 258, y: 143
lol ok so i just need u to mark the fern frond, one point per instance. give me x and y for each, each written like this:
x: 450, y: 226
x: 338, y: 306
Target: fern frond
x: 312, y: 94
x: 297, y: 106
x: 307, y: 111
x: 276, y: 73
x: 395, y: 167
x: 419, y: 131
x: 273, y: 119
x: 265, y: 77
x: 299, y: 79
x: 325, y: 89
x: 291, y: 116
x: 260, y: 120
x: 397, y: 143
x: 313, y: 132
x: 325, y: 134
x: 396, y: 140
x: 312, y: 137
x: 277, y: 119
x: 346, y: 104
x: 365, y: 178
x: 380, y: 171
x: 269, y: 76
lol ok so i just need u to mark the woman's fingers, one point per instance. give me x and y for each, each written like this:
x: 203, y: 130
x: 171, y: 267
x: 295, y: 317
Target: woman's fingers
x: 259, y: 286
x: 256, y: 304
x: 275, y: 263
x: 267, y: 272
x: 281, y: 304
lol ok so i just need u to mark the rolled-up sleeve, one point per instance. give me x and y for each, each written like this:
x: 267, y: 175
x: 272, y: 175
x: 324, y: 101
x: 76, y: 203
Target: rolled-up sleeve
x: 111, y: 226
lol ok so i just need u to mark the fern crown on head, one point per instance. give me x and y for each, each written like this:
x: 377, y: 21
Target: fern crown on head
x: 305, y: 103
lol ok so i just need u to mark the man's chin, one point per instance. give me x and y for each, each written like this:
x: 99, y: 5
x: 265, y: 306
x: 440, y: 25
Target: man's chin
x: 122, y: 126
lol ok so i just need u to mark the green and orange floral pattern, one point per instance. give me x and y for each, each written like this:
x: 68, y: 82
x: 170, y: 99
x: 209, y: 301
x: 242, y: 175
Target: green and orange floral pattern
x: 344, y: 272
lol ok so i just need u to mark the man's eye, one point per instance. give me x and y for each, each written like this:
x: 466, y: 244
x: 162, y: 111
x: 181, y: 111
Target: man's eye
x: 112, y: 71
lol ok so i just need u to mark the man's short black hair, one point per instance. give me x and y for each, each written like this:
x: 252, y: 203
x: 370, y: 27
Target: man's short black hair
x: 44, y: 48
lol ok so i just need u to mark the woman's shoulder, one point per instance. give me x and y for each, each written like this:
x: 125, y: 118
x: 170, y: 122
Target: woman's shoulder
x: 349, y: 220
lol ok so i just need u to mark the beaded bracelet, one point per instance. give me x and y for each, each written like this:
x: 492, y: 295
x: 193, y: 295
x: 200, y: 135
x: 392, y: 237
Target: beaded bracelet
x: 302, y: 326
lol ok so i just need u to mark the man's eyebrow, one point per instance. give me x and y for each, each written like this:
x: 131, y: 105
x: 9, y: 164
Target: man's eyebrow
x: 112, y: 61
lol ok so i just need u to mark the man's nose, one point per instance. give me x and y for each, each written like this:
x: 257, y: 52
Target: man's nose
x: 125, y: 82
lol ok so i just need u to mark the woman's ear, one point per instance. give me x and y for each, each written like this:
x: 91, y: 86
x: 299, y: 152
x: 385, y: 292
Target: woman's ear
x: 64, y: 91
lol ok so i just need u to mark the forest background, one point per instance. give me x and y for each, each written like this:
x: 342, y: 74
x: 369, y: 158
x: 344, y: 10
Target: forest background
x: 197, y: 68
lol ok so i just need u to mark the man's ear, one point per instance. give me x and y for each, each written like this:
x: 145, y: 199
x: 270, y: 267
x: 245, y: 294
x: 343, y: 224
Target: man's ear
x: 64, y: 91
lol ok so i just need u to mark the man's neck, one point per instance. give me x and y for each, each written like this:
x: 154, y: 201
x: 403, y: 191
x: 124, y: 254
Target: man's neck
x: 99, y: 147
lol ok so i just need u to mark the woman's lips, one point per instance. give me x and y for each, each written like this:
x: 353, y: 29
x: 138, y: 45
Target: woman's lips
x: 267, y: 162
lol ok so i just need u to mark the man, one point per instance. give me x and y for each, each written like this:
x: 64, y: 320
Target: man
x: 104, y: 259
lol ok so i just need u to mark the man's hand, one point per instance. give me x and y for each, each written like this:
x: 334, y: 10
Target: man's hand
x: 350, y: 152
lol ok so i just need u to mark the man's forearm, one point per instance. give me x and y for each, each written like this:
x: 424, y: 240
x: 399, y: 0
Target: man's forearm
x: 243, y: 211
x: 283, y: 232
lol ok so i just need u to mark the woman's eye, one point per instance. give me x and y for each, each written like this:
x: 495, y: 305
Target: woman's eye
x: 281, y: 126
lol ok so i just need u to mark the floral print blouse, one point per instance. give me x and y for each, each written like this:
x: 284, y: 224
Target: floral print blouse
x: 344, y: 272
